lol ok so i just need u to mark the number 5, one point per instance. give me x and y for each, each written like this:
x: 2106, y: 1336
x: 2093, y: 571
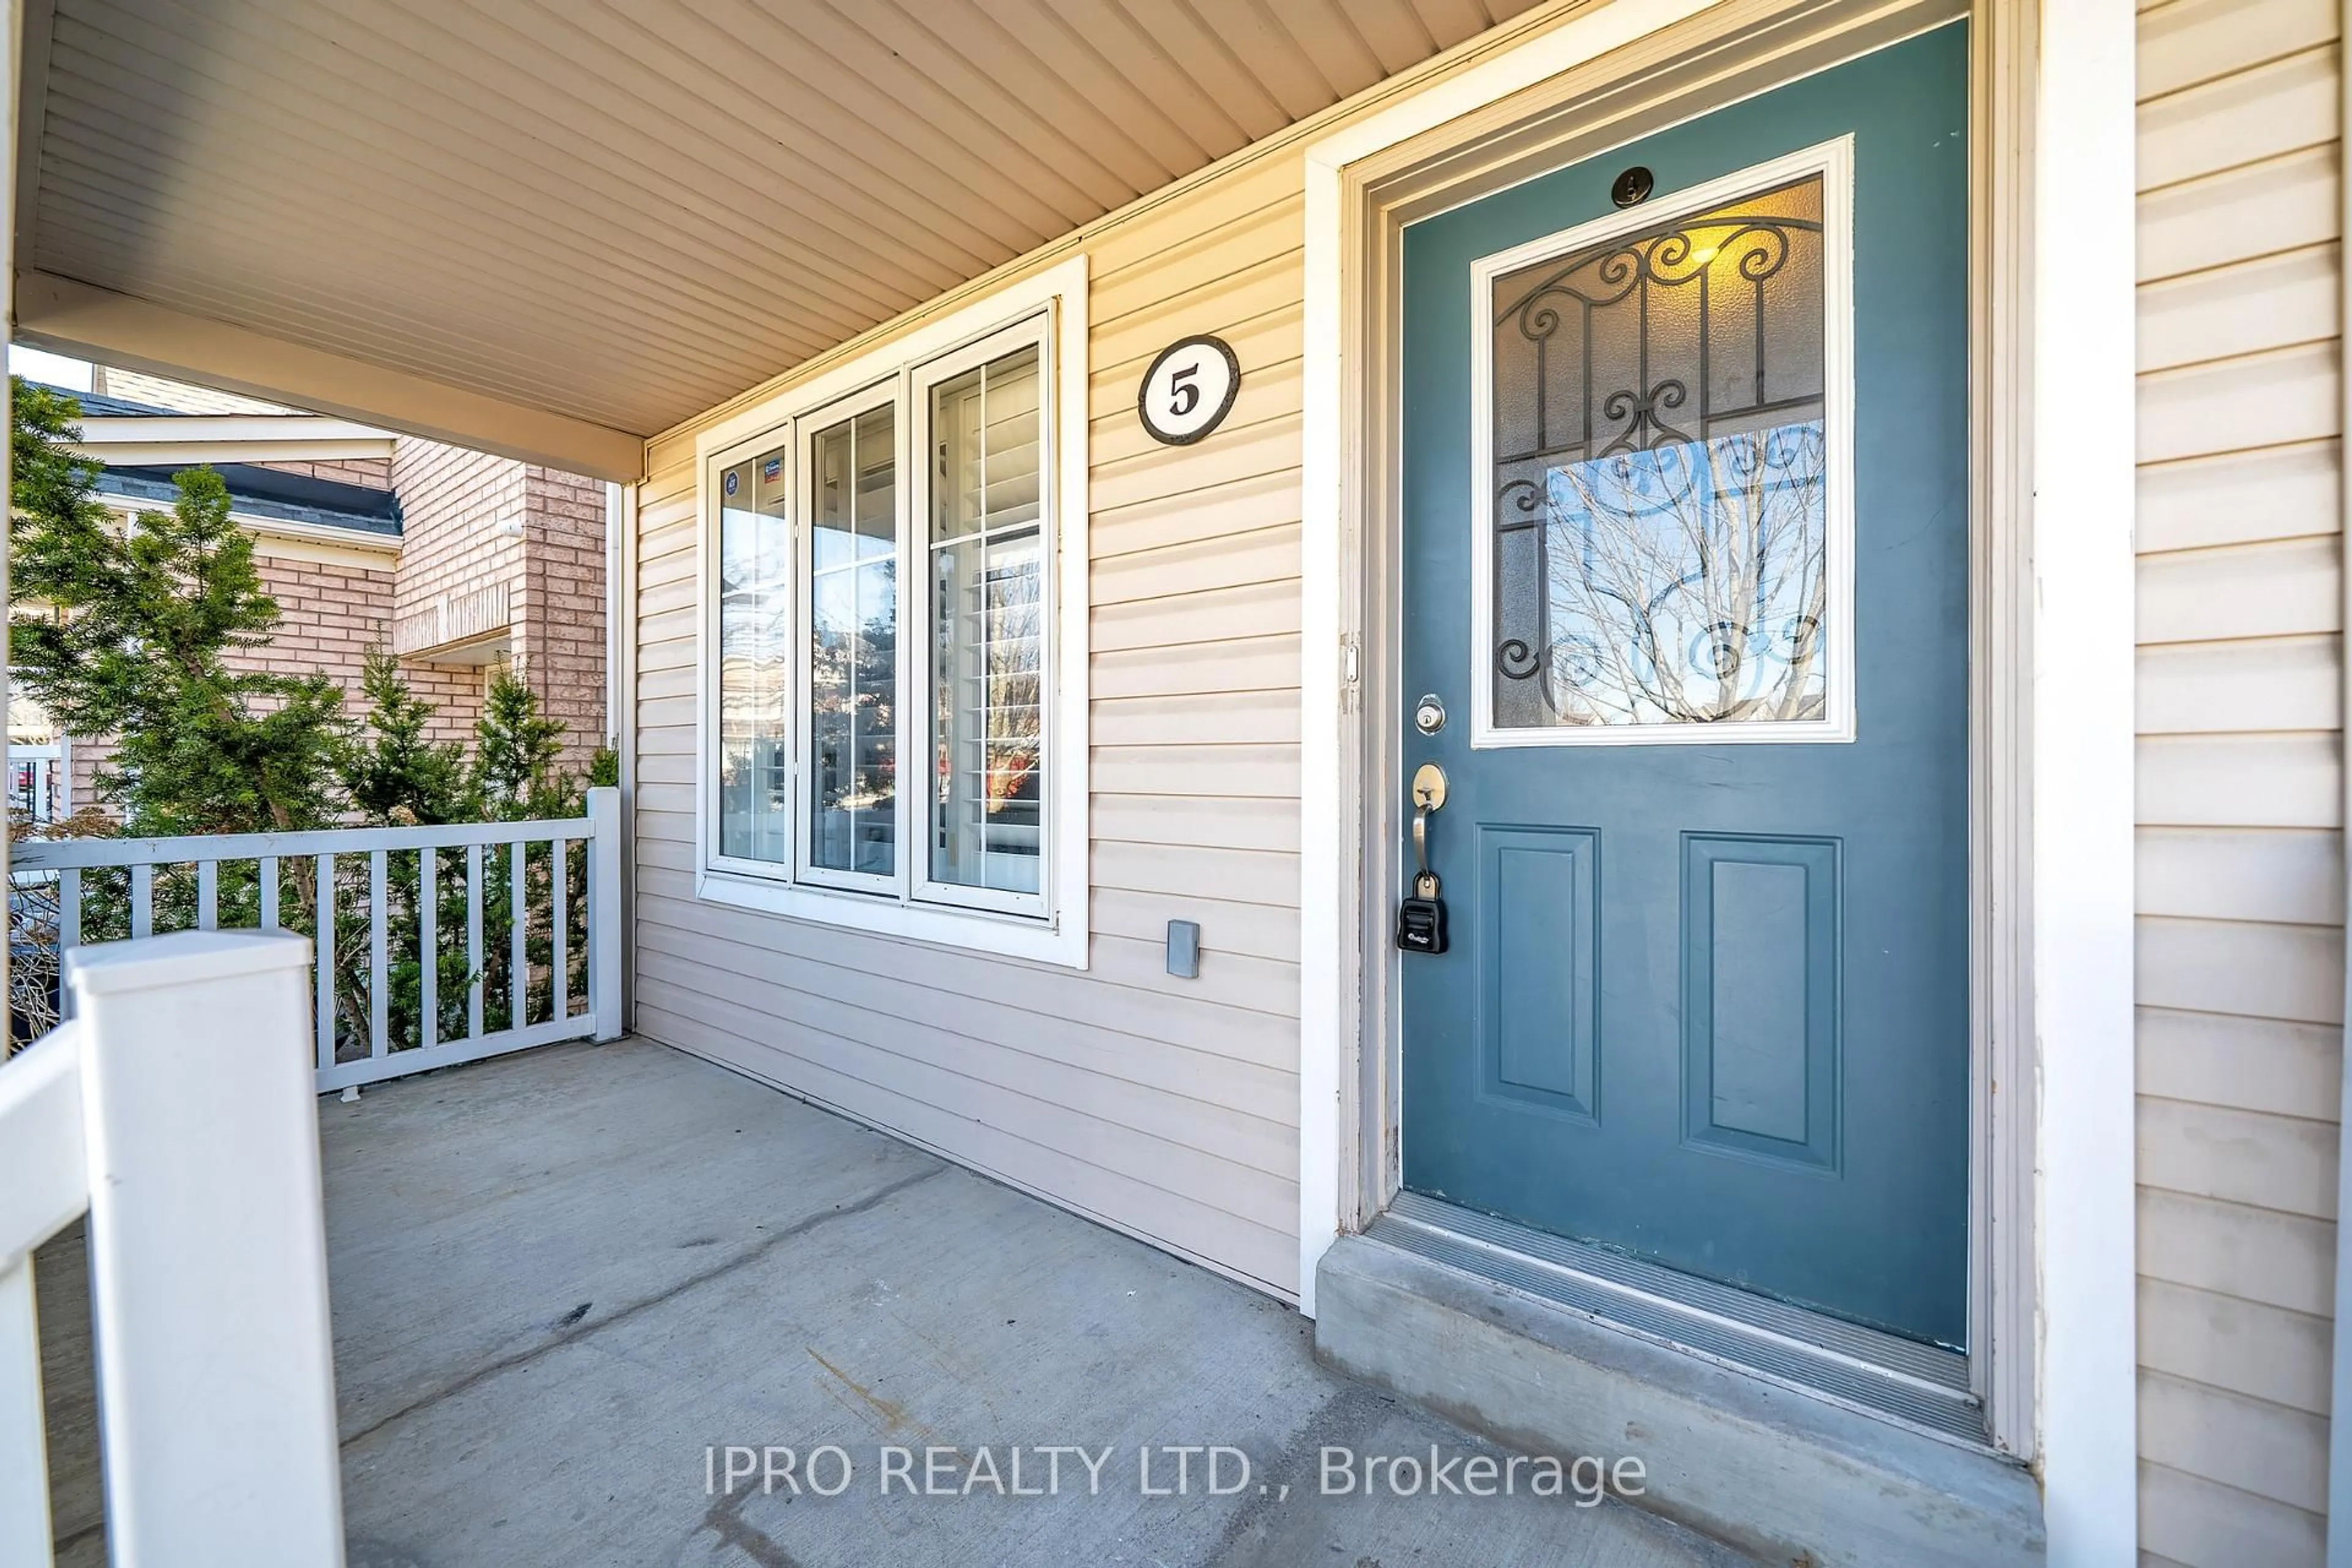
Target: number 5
x: 1183, y: 396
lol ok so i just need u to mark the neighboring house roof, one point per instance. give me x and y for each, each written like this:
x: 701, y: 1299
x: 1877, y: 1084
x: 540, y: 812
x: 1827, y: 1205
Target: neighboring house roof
x: 255, y: 491
x: 269, y: 493
x: 95, y: 405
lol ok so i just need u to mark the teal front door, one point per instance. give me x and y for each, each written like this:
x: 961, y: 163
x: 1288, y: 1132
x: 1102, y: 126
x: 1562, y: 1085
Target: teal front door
x: 1686, y: 570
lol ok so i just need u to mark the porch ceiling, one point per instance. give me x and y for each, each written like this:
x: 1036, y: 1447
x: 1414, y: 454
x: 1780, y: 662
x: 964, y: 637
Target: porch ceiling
x: 617, y: 214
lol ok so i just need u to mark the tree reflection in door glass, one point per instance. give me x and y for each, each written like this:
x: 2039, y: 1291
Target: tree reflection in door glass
x: 1685, y: 584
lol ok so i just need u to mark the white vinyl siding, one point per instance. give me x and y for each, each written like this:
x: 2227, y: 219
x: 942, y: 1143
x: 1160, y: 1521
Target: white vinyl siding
x: 1167, y: 1108
x: 2239, y: 874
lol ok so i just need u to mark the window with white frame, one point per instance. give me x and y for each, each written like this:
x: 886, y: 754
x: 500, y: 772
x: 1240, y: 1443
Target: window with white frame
x: 985, y: 625
x: 893, y: 697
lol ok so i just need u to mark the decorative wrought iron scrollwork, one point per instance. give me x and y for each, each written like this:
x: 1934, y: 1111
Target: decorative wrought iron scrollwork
x: 1680, y: 470
x: 1751, y: 248
x: 1640, y: 409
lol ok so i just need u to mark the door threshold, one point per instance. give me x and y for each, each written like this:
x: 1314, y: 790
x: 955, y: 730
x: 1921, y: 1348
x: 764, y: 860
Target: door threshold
x: 1786, y: 1474
x: 1882, y: 1374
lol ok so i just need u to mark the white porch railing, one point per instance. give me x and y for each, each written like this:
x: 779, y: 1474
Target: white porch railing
x: 177, y: 1112
x: 431, y: 955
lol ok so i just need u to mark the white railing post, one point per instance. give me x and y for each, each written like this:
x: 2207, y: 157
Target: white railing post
x: 44, y: 1186
x: 23, y: 1437
x: 606, y: 937
x: 208, y: 1268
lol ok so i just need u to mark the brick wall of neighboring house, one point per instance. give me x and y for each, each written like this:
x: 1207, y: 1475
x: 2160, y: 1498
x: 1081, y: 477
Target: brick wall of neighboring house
x: 561, y: 624
x: 455, y: 692
x: 332, y: 613
x: 375, y: 473
x: 452, y: 504
x: 471, y: 522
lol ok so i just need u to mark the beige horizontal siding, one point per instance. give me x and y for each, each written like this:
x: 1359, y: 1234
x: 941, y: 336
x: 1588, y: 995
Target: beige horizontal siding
x: 1165, y: 1107
x: 2239, y: 859
x: 1168, y: 1108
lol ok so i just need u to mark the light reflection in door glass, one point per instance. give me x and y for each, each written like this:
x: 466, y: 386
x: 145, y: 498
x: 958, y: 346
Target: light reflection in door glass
x: 1660, y: 490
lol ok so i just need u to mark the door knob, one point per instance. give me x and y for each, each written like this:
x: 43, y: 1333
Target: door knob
x: 1428, y: 796
x: 1421, y: 919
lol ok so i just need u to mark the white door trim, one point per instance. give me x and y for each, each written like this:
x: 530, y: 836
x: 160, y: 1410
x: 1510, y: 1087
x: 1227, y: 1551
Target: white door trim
x: 1327, y: 677
x: 2077, y: 1387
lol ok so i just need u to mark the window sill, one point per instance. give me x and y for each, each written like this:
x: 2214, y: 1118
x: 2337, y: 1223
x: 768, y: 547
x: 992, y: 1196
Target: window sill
x: 1062, y: 941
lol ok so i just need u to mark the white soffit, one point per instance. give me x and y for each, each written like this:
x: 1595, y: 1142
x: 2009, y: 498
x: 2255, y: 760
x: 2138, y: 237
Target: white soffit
x: 622, y: 214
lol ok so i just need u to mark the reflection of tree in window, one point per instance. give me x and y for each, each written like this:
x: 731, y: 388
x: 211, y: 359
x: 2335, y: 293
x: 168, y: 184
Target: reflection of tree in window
x: 1686, y: 585
x: 854, y: 645
x: 754, y: 661
x: 1660, y: 484
x: 987, y: 627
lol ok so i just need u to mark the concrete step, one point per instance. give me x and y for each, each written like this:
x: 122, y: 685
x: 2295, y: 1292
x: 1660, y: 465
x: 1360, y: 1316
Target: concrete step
x: 1776, y: 1473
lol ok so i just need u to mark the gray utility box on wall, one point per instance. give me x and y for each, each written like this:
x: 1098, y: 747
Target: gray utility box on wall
x: 1184, y: 949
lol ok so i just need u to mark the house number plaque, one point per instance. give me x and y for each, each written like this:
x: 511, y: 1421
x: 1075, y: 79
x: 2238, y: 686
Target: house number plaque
x: 1188, y: 389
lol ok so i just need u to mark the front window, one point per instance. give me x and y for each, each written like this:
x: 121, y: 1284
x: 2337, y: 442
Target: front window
x: 885, y: 599
x: 988, y: 627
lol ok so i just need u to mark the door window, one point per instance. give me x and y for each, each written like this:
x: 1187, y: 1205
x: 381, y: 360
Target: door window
x: 1664, y: 474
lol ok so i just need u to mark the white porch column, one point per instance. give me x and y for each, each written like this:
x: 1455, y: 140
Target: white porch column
x: 208, y: 1266
x: 608, y: 938
x: 2085, y: 436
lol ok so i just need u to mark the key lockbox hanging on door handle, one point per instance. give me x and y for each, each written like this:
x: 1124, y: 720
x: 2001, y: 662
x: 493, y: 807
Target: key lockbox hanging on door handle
x: 1421, y: 919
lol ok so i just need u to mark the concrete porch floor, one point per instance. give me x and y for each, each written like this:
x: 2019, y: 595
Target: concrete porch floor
x: 559, y: 1278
